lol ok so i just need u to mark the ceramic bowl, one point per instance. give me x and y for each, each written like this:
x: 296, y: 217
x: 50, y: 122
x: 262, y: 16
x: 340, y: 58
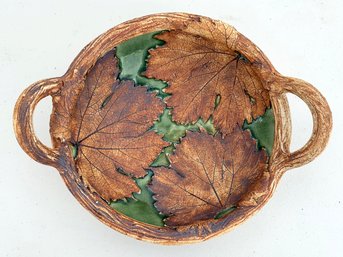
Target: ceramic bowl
x: 171, y: 128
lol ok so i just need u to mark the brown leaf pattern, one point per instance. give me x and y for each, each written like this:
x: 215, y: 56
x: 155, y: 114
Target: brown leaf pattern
x: 199, y: 64
x: 110, y: 131
x: 207, y: 175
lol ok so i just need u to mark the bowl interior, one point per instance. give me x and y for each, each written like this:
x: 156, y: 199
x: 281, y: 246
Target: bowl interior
x: 172, y: 128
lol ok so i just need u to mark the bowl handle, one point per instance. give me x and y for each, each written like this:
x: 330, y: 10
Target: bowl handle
x: 322, y: 123
x: 22, y: 120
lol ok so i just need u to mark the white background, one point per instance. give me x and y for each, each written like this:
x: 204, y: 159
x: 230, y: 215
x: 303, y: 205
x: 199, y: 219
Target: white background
x: 38, y: 215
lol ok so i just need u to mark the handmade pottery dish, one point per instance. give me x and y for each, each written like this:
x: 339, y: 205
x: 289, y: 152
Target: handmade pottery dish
x: 171, y: 128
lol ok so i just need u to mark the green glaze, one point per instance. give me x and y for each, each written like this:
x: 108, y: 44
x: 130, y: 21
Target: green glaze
x: 224, y: 212
x: 173, y: 132
x: 217, y: 101
x: 74, y: 150
x: 132, y: 55
x: 163, y: 159
x: 207, y: 126
x: 107, y: 99
x: 262, y: 129
x: 141, y: 205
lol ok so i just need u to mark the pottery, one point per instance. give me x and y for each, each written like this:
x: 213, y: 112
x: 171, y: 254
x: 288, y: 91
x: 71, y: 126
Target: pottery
x: 171, y: 128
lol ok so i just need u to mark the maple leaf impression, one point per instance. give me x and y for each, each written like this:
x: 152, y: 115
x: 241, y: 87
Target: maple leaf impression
x: 200, y: 66
x: 207, y: 175
x: 110, y: 132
